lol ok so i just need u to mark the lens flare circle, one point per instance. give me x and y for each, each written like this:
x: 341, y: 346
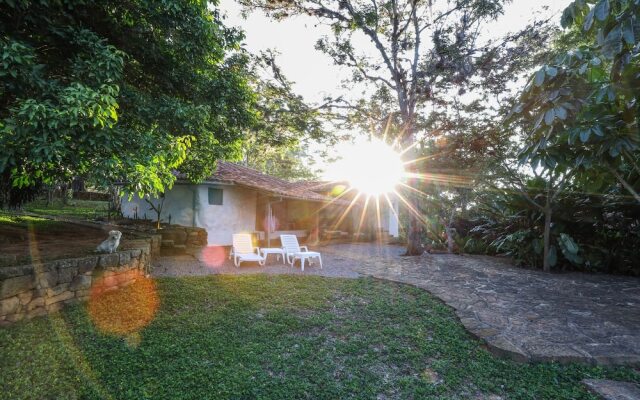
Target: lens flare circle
x: 370, y: 166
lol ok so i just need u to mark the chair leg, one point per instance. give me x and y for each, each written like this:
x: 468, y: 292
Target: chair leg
x: 302, y: 262
x: 235, y: 261
x: 320, y: 259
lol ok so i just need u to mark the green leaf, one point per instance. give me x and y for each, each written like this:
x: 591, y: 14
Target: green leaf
x: 549, y: 116
x: 561, y: 112
x: 627, y: 32
x: 614, y: 151
x: 588, y: 20
x: 598, y: 130
x: 552, y: 71
x: 612, y: 45
x: 602, y: 10
x: 539, y: 77
x: 584, y: 135
x: 583, y: 68
x: 569, y: 249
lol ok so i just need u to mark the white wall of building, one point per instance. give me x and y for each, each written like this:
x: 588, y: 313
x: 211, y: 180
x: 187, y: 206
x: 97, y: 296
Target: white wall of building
x: 237, y: 214
x: 393, y: 218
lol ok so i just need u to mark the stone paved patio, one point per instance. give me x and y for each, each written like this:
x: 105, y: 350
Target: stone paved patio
x: 613, y: 390
x: 522, y: 314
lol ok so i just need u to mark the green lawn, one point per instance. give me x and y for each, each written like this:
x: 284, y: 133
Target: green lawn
x: 276, y: 337
x: 82, y: 209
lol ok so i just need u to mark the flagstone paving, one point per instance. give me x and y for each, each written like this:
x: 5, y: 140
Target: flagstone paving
x: 522, y: 314
x: 613, y: 390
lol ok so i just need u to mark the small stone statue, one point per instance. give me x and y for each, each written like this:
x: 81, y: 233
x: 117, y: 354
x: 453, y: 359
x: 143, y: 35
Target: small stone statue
x: 111, y: 244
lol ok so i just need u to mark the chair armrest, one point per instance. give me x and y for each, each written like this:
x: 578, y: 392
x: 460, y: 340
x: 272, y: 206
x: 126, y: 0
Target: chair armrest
x: 257, y: 249
x: 304, y: 247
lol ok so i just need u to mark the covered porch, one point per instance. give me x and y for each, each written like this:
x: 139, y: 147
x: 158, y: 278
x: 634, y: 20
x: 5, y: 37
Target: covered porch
x: 317, y: 222
x: 307, y: 219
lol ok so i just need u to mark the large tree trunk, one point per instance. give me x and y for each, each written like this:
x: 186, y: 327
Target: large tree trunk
x: 449, y: 230
x: 546, y: 266
x: 414, y: 237
x: 414, y: 228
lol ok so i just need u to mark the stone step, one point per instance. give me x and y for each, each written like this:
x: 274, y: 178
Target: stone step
x: 613, y: 390
x: 167, y: 243
x: 175, y: 250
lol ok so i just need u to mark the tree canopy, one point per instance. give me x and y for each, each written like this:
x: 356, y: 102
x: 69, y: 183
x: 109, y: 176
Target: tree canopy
x: 421, y: 52
x: 121, y: 91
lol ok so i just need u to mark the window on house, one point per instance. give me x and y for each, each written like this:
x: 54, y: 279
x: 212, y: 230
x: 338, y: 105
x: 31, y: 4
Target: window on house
x: 215, y: 197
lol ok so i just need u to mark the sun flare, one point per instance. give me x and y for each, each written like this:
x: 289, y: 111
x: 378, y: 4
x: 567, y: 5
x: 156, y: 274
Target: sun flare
x: 371, y: 167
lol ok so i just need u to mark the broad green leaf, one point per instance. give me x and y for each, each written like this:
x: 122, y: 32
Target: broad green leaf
x: 598, y: 130
x: 588, y: 20
x: 583, y: 68
x: 627, y: 32
x: 584, y: 135
x: 552, y: 71
x: 614, y: 151
x: 612, y: 45
x: 602, y: 10
x: 539, y: 77
x: 549, y: 116
x: 569, y: 249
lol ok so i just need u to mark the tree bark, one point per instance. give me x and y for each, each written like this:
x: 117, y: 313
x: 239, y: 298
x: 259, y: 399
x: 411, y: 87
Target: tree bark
x: 449, y: 230
x: 546, y: 267
x: 414, y: 238
x: 624, y: 183
x: 414, y: 228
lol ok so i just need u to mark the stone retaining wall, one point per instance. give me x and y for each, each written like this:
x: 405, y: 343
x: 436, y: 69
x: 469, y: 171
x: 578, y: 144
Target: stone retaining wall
x: 31, y: 290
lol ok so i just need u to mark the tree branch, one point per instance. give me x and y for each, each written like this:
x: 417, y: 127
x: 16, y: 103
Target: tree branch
x: 624, y: 183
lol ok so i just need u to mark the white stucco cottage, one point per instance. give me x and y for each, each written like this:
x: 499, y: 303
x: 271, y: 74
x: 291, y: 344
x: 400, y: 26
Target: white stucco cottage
x: 239, y: 199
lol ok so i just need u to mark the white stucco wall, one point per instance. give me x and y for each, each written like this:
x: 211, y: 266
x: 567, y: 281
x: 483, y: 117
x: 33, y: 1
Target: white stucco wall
x: 237, y: 214
x: 177, y: 203
x: 393, y: 218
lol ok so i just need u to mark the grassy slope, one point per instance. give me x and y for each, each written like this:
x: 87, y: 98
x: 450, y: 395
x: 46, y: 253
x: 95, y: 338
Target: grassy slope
x: 82, y: 209
x: 276, y: 337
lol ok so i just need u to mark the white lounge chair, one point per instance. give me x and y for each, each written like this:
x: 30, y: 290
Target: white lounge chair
x: 243, y: 250
x: 293, y: 251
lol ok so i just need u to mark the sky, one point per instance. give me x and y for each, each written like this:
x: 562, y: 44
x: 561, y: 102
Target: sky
x: 314, y: 74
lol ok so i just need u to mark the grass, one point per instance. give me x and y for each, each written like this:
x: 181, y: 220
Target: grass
x: 82, y: 209
x: 11, y: 219
x: 271, y: 337
x: 25, y: 239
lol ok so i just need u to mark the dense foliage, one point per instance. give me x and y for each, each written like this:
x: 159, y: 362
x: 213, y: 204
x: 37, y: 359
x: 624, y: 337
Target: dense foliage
x: 285, y: 127
x: 580, y: 114
x: 548, y: 176
x: 118, y: 91
x: 419, y: 52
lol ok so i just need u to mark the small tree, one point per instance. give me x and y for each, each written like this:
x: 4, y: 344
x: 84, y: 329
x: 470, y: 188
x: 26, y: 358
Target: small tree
x: 156, y: 207
x: 584, y: 106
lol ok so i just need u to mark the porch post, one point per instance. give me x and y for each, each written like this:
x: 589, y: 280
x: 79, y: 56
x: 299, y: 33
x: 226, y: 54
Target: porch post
x: 317, y: 226
x: 269, y: 222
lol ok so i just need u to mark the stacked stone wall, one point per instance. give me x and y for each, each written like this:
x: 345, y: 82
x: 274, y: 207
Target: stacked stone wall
x: 28, y: 291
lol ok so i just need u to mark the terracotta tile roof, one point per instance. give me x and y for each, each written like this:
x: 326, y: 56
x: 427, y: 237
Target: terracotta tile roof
x: 228, y: 172
x: 314, y: 186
